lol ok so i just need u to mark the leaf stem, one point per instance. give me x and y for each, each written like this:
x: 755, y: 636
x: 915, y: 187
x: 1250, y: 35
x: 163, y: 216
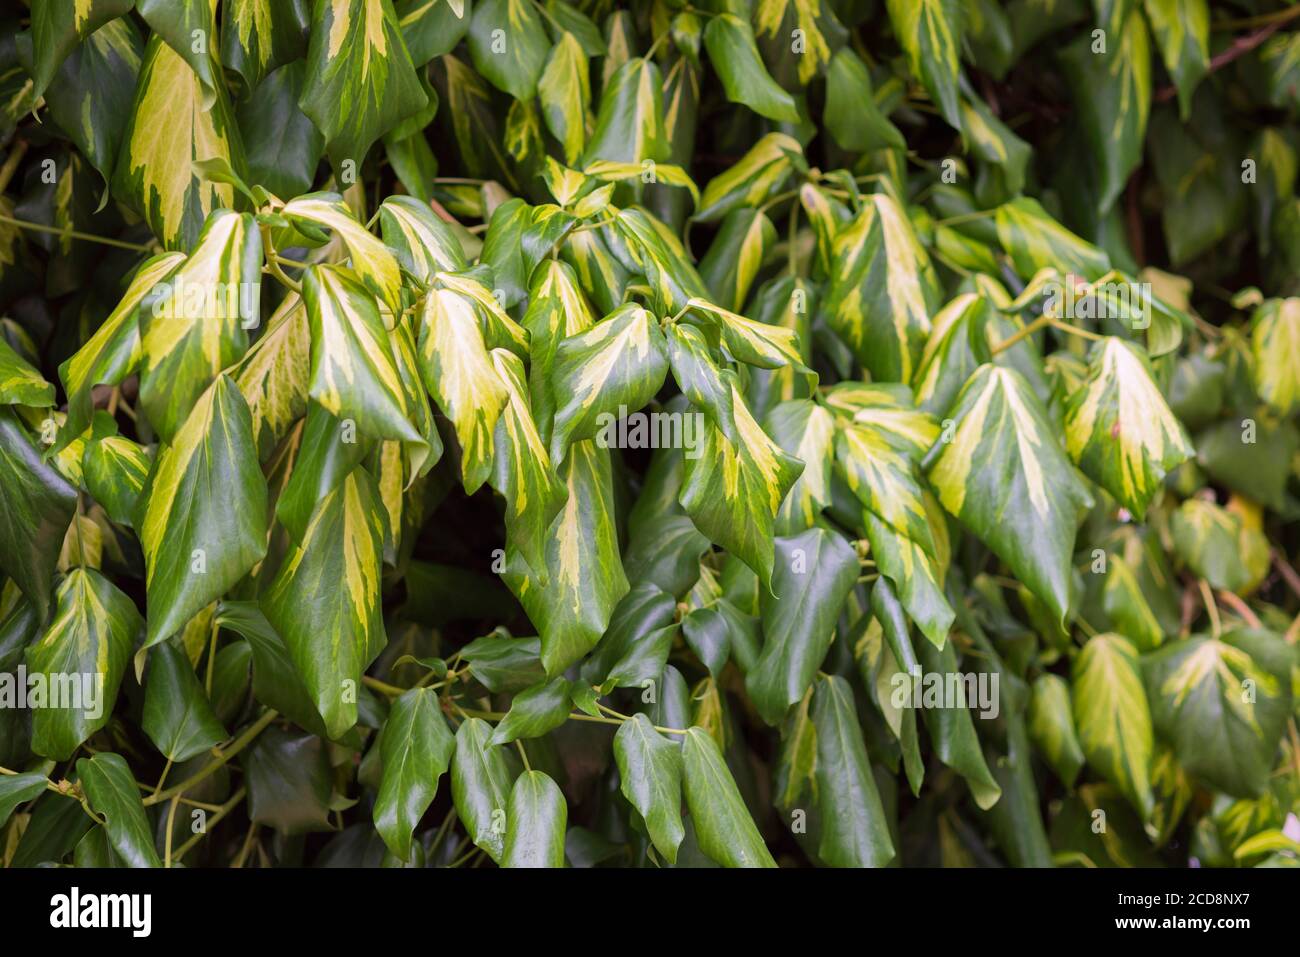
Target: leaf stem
x: 74, y: 234
x: 1211, y: 608
x: 216, y: 818
x: 223, y: 755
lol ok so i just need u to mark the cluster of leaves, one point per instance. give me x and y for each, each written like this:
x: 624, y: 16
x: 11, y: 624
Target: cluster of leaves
x: 324, y: 492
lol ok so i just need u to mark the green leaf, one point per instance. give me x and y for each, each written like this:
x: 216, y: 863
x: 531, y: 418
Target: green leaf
x: 481, y: 787
x: 852, y: 116
x: 1006, y: 478
x: 1113, y: 719
x: 90, y: 637
x: 1051, y: 727
x: 734, y: 55
x: 189, y: 27
x: 16, y: 789
x: 650, y: 777
x: 1182, y: 33
x: 194, y: 324
x: 112, y: 793
x: 1112, y: 92
x: 203, y: 520
x: 1223, y: 703
x: 855, y: 832
x: 325, y: 600
x: 504, y: 664
x: 629, y: 124
x: 416, y: 750
x: 360, y: 79
x: 508, y: 44
x: 699, y: 376
x: 583, y: 571
x: 37, y: 507
x: 930, y: 33
x: 1119, y: 429
x: 432, y: 28
x: 282, y: 145
x: 172, y: 125
x: 177, y: 715
x: 883, y: 292
x: 723, y: 827
x: 736, y: 255
x: 535, y: 823
x: 600, y: 375
x: 812, y: 576
x: 734, y: 490
x: 535, y: 712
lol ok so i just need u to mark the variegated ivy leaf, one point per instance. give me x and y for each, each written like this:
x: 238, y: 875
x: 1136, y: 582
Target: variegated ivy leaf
x: 852, y: 116
x: 759, y: 175
x: 371, y: 259
x: 583, y: 568
x: 432, y: 27
x: 93, y: 632
x: 1050, y: 721
x: 603, y: 374
x: 275, y: 374
x: 459, y: 374
x: 1217, y: 544
x: 630, y: 121
x: 1275, y: 346
x: 171, y: 128
x: 1034, y: 241
x: 508, y: 43
x: 423, y: 243
x: 917, y: 577
x: 805, y: 431
x: 522, y: 469
x: 257, y: 36
x: 1223, y: 703
x: 1113, y: 719
x: 957, y: 346
x: 557, y: 309
x: 353, y: 371
x: 699, y: 377
x: 92, y: 94
x: 1005, y: 476
x: 1112, y: 92
x: 1119, y: 429
x: 20, y: 384
x: 734, y: 55
x: 889, y: 409
x: 753, y: 343
x: 360, y: 79
x: 774, y: 24
x: 736, y: 255
x: 734, y: 490
x: 195, y: 323
x: 645, y: 245
x: 565, y: 92
x: 666, y: 173
x: 930, y: 33
x: 115, y: 471
x: 59, y: 25
x: 203, y: 521
x: 325, y: 600
x: 883, y: 478
x: 883, y: 290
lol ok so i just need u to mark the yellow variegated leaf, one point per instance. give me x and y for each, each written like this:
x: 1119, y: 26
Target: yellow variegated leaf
x: 170, y: 130
x: 522, y: 470
x: 1113, y: 718
x: 585, y: 577
x: 883, y: 479
x: 194, y: 324
x: 371, y: 259
x: 459, y: 374
x: 424, y: 244
x: 1275, y: 343
x: 1119, y: 428
x: 203, y: 524
x: 275, y: 374
x: 326, y: 603
x: 758, y: 175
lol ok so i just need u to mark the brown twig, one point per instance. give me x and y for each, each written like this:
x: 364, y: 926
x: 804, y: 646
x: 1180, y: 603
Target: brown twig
x: 1238, y: 48
x: 1243, y: 610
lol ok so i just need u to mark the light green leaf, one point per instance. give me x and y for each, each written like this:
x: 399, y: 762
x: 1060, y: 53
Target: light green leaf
x: 722, y: 825
x: 734, y: 55
x: 508, y: 43
x: 1275, y: 346
x: 416, y: 750
x: 1113, y: 719
x: 1050, y: 723
x: 565, y: 92
x: 930, y: 33
x: 1034, y: 241
x: 535, y: 823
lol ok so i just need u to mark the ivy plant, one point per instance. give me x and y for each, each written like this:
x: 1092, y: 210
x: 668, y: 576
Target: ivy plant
x: 744, y: 433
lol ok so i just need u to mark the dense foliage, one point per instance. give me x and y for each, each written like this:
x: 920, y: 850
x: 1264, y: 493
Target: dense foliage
x: 740, y: 432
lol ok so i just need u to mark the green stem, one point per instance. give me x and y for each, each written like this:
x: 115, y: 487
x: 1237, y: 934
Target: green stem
x: 74, y: 234
x: 216, y: 818
x: 222, y: 756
